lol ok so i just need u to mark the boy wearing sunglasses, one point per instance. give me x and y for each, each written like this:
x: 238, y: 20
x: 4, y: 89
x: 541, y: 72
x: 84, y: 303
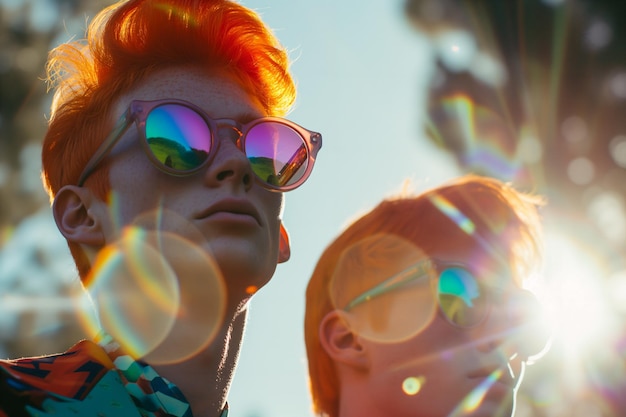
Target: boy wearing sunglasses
x: 166, y: 160
x: 417, y: 308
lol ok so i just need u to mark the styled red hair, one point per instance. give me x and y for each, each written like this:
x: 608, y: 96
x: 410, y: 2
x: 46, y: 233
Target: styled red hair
x: 132, y: 39
x: 505, y: 225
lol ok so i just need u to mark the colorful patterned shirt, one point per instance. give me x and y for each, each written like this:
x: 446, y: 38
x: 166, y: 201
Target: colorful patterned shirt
x: 88, y: 380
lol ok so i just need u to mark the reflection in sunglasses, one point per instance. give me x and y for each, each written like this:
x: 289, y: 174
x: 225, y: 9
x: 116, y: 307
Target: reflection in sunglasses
x: 458, y: 291
x: 179, y: 138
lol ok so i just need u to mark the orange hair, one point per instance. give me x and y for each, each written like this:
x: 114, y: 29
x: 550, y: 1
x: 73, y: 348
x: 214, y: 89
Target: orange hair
x: 132, y: 39
x: 472, y: 211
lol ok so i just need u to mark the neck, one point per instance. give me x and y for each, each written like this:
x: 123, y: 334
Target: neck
x: 205, y: 378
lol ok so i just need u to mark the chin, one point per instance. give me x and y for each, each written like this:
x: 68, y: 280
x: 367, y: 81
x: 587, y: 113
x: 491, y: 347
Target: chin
x: 494, y: 408
x: 242, y: 276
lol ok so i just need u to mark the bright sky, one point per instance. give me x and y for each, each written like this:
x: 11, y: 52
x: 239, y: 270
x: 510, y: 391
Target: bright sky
x: 360, y: 72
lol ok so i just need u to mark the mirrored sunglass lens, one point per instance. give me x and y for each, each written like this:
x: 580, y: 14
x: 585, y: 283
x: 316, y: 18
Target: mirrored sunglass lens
x: 461, y: 299
x: 277, y: 153
x: 178, y: 137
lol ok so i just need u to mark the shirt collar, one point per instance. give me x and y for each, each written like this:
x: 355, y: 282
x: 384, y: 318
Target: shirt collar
x: 151, y: 393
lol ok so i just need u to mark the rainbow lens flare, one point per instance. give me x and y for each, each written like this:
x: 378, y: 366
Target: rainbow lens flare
x: 160, y: 296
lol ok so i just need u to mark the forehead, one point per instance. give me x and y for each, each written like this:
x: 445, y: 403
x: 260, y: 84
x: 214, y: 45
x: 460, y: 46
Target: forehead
x: 483, y: 260
x: 217, y: 92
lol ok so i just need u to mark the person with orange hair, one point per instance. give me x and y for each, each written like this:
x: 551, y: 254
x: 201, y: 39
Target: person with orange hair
x: 166, y: 159
x: 418, y: 309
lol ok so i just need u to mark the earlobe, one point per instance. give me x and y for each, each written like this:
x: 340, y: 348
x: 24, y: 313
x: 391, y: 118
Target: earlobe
x: 340, y: 342
x: 284, y: 249
x: 74, y: 218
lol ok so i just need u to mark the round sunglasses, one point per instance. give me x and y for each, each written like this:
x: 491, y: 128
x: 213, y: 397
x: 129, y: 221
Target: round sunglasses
x: 180, y: 139
x: 462, y: 298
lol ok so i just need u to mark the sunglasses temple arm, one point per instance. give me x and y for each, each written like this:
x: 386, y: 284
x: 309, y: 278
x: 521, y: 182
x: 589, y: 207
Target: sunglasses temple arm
x: 292, y: 166
x: 106, y: 146
x: 413, y: 273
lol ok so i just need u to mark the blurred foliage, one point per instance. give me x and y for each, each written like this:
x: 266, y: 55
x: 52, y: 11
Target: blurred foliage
x: 534, y: 92
x: 28, y: 29
x: 538, y: 100
x: 36, y: 271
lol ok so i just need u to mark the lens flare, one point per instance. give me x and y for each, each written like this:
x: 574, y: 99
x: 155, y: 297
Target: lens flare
x: 447, y: 208
x: 399, y: 311
x: 575, y: 302
x: 585, y: 347
x: 483, y: 140
x: 135, y: 293
x: 179, y: 13
x: 413, y: 385
x: 474, y: 399
x: 160, y: 296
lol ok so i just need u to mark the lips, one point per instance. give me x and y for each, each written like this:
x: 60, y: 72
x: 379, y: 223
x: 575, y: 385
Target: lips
x: 232, y: 206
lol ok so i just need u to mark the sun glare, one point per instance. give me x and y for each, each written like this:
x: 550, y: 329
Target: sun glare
x: 574, y: 300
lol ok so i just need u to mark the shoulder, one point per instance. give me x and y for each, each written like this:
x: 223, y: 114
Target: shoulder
x: 66, y: 379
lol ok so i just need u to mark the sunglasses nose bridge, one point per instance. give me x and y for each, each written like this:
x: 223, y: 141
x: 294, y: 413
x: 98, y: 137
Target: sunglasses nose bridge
x: 230, y: 130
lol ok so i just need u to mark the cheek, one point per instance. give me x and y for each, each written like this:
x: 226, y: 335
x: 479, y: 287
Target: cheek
x: 133, y: 198
x: 129, y: 174
x: 136, y: 190
x: 426, y: 382
x: 275, y: 215
x: 272, y: 205
x: 429, y: 364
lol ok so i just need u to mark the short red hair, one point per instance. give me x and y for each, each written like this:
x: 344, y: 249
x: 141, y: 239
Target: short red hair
x: 505, y: 224
x: 132, y: 39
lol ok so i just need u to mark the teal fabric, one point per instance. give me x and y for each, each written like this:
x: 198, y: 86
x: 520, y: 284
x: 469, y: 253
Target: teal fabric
x: 89, y: 380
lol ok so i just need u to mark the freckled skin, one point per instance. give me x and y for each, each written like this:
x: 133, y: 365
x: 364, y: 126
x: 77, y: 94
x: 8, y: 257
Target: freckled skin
x: 246, y: 254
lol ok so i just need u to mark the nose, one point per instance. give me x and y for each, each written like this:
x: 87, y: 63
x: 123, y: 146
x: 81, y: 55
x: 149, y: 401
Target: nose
x: 230, y: 164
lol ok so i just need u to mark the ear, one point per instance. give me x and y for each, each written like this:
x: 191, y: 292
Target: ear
x: 74, y: 209
x: 284, y: 249
x: 340, y: 342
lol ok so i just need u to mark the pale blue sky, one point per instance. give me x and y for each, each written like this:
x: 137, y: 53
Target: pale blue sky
x: 361, y: 71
